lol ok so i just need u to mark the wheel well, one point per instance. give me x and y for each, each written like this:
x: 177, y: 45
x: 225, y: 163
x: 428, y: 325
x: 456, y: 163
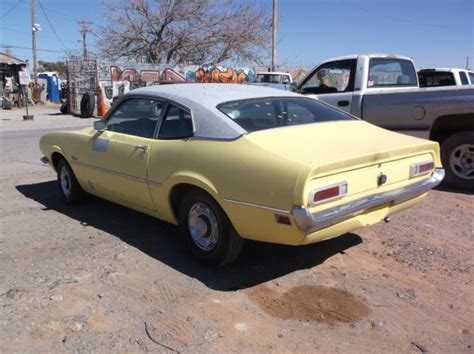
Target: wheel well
x: 177, y: 194
x: 55, y: 158
x: 446, y: 126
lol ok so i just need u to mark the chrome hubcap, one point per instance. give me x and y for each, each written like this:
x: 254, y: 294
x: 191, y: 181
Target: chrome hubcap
x: 203, y: 227
x: 461, y: 161
x: 65, y: 180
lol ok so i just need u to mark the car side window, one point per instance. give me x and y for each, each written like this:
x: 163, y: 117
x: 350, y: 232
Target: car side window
x: 463, y: 77
x: 331, y: 77
x: 177, y: 124
x: 136, y: 116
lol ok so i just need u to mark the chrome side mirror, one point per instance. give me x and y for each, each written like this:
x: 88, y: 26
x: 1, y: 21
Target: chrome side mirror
x: 99, y: 125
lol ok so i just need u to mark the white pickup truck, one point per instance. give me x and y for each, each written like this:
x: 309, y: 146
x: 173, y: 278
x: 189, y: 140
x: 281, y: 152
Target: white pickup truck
x: 445, y: 77
x: 384, y: 90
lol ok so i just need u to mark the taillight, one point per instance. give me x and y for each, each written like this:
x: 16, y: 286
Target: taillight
x: 421, y: 168
x: 328, y: 193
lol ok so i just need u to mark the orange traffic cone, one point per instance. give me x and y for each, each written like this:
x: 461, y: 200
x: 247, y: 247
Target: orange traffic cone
x: 101, y: 103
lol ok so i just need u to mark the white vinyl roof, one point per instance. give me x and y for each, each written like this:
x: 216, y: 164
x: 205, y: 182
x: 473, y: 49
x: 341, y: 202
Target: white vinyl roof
x: 202, y: 99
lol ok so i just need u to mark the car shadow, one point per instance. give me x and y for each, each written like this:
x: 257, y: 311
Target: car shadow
x: 259, y: 262
x: 445, y: 188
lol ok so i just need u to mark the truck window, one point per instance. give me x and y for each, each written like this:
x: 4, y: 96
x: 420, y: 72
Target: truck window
x: 471, y: 77
x: 333, y: 77
x: 391, y: 72
x: 269, y: 78
x: 463, y: 77
x: 436, y: 78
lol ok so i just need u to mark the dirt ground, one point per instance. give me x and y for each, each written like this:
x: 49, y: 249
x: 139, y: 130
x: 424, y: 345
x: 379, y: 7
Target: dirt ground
x: 99, y: 277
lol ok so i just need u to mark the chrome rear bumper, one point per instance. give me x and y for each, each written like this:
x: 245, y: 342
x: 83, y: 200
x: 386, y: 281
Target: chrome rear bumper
x: 310, y: 222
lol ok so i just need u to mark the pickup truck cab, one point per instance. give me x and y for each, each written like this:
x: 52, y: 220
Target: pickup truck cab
x: 445, y: 77
x: 384, y: 90
x: 274, y: 79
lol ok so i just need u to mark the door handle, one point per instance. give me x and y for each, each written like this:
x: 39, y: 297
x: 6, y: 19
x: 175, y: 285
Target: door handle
x: 343, y: 103
x: 142, y: 147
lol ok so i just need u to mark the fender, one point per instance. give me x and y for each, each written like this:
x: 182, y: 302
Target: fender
x: 162, y: 194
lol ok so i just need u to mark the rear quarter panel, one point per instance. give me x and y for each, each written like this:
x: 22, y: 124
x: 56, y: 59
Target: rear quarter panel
x: 232, y: 172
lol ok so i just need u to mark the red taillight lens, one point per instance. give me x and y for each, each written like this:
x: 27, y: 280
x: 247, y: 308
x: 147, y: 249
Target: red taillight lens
x: 422, y: 168
x: 328, y: 193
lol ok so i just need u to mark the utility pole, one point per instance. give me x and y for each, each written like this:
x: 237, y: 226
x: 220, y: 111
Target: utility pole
x: 34, y: 28
x: 467, y: 62
x: 7, y: 49
x: 274, y: 36
x: 84, y: 30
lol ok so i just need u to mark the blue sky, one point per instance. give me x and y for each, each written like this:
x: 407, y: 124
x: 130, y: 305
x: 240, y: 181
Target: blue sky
x: 433, y: 32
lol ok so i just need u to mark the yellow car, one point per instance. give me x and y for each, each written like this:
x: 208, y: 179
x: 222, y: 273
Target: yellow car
x: 235, y: 162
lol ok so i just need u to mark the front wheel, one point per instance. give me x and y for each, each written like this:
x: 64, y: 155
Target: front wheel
x: 457, y: 154
x: 69, y: 187
x: 211, y: 236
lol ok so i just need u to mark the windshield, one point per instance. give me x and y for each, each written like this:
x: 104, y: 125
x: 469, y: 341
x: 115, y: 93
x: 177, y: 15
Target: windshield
x: 266, y: 113
x: 388, y: 72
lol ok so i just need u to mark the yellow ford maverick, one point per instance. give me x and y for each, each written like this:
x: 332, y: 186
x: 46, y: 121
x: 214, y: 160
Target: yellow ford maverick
x: 233, y: 162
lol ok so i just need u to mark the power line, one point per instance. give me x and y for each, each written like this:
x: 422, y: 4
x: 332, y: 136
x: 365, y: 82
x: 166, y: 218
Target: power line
x: 49, y: 9
x: 11, y: 9
x: 50, y: 24
x: 392, y: 18
x: 11, y: 29
x: 42, y: 50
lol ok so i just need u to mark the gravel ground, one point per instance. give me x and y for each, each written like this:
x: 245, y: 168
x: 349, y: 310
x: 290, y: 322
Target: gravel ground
x: 99, y: 277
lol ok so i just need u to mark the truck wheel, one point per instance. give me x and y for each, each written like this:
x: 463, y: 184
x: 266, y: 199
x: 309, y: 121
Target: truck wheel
x: 211, y: 236
x: 69, y: 187
x: 457, y: 154
x: 87, y: 105
x: 65, y: 107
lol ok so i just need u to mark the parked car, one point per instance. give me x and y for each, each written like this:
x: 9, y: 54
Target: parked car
x: 445, y: 77
x: 234, y: 162
x: 273, y: 79
x: 383, y: 89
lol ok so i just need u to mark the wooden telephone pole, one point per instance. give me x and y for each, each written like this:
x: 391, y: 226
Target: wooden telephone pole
x: 274, y: 36
x: 34, y: 29
x: 84, y: 30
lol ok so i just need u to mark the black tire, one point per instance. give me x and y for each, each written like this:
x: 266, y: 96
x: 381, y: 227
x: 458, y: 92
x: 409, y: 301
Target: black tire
x: 87, y: 105
x: 228, y: 244
x: 69, y: 187
x: 65, y: 107
x: 459, y: 145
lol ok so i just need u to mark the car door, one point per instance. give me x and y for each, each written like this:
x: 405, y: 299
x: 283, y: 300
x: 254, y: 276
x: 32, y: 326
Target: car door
x: 332, y: 83
x: 170, y: 153
x: 120, y: 153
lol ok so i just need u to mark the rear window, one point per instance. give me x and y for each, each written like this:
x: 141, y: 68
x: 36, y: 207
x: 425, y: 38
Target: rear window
x: 436, y: 78
x: 266, y: 113
x: 471, y: 77
x: 391, y: 72
x: 269, y: 78
x: 463, y: 76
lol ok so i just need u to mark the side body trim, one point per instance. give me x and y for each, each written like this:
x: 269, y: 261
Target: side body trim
x: 257, y: 206
x: 106, y: 170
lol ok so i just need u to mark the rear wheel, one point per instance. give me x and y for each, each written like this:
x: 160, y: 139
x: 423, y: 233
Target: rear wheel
x: 457, y: 154
x: 69, y: 187
x: 210, y: 234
